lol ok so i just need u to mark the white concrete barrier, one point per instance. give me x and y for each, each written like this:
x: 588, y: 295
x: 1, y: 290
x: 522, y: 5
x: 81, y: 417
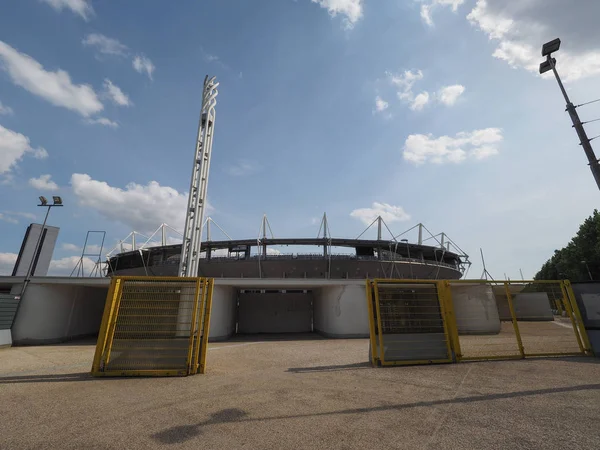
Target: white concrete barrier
x: 57, y: 313
x: 222, y: 316
x: 475, y: 309
x: 341, y: 311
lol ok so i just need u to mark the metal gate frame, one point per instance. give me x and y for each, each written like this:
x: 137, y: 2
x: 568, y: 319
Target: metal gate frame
x: 199, y: 328
x: 376, y: 332
x: 450, y: 323
x: 570, y: 305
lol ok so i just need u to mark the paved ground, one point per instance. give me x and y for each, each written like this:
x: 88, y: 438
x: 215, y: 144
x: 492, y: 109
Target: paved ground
x: 298, y: 394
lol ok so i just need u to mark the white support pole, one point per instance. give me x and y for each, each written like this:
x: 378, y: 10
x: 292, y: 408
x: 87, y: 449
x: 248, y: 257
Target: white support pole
x: 164, y: 234
x: 420, y: 241
x: 192, y: 234
x: 379, y: 220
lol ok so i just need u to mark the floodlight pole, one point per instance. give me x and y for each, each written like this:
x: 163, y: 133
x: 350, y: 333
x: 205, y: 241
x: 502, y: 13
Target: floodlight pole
x: 584, y: 140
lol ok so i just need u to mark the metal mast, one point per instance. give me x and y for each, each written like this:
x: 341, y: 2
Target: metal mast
x: 192, y: 234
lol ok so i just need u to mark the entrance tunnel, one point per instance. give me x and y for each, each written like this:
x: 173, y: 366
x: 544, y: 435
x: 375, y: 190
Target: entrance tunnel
x: 333, y: 311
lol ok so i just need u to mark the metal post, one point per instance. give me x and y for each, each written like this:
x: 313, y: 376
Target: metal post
x: 420, y: 241
x: 583, y: 139
x: 133, y: 241
x: 164, y: 235
x: 379, y: 220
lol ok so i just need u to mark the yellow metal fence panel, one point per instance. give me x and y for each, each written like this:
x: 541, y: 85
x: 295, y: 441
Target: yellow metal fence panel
x: 515, y: 319
x: 154, y: 326
x: 426, y: 321
x: 409, y: 325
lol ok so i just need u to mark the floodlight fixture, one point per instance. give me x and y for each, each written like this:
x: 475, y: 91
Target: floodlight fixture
x: 546, y: 66
x: 550, y: 47
x: 550, y: 64
x: 57, y: 200
x: 43, y: 201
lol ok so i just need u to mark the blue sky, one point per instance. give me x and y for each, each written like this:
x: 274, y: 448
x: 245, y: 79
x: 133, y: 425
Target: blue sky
x: 422, y: 111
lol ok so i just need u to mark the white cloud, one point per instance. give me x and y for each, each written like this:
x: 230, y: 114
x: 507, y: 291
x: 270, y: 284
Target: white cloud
x: 103, y: 121
x: 430, y: 5
x: 242, y: 167
x: 64, y: 266
x: 90, y: 249
x: 478, y: 144
x: 5, y: 110
x: 405, y: 81
x: 351, y: 9
x: 55, y: 87
x: 380, y: 104
x: 420, y: 101
x: 140, y: 207
x: 449, y: 94
x: 80, y: 7
x: 13, y: 146
x: 7, y: 263
x: 115, y: 93
x: 6, y: 218
x: 105, y: 45
x: 520, y: 28
x: 70, y: 247
x: 388, y: 213
x: 142, y: 64
x: 43, y: 182
x: 20, y: 214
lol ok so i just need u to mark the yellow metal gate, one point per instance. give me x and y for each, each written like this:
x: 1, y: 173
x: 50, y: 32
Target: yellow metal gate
x: 154, y: 326
x: 428, y: 321
x: 407, y: 323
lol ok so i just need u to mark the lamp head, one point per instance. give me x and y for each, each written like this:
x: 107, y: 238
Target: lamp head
x: 43, y: 200
x: 550, y: 47
x: 57, y: 200
x: 545, y: 66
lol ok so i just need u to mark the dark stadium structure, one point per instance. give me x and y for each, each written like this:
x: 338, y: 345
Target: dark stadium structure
x: 252, y: 258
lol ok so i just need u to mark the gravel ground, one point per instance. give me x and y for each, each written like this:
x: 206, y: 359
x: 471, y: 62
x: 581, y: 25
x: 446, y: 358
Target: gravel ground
x: 296, y: 394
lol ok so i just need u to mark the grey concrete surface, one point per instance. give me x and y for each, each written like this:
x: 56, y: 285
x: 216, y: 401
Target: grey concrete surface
x: 295, y: 394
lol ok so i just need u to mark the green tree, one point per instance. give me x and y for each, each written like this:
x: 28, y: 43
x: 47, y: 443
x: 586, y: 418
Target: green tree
x: 582, y: 252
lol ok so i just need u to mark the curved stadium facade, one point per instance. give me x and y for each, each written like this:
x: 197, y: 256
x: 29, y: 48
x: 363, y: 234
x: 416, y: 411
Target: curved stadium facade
x: 252, y: 258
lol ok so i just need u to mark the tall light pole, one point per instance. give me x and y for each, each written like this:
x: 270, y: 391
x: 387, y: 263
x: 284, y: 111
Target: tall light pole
x: 550, y: 64
x: 57, y: 201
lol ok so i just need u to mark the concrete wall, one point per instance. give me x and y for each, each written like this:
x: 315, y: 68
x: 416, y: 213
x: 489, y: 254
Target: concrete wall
x: 275, y: 313
x: 341, y: 311
x: 57, y: 313
x: 475, y: 309
x: 223, y: 312
x: 529, y: 306
x: 588, y: 300
x: 587, y: 296
x: 5, y: 338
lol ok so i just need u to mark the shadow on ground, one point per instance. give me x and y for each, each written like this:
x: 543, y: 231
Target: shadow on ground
x: 45, y: 378
x: 182, y: 433
x: 362, y: 365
